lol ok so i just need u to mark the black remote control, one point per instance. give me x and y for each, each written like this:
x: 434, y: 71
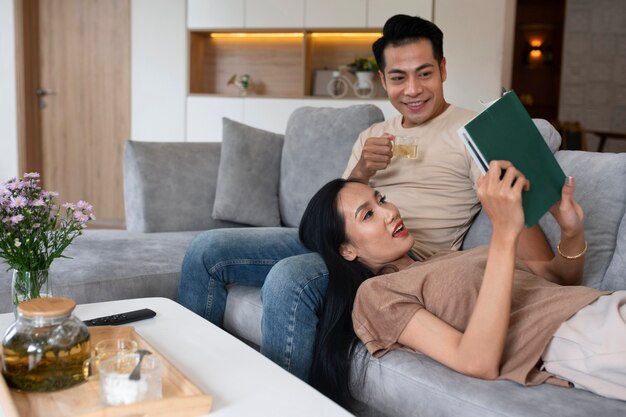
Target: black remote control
x: 121, y: 318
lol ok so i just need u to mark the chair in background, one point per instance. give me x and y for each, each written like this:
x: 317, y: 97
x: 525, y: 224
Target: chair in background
x: 573, y: 136
x: 604, y: 135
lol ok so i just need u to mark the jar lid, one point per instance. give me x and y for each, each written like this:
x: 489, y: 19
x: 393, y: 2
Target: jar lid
x: 46, y: 307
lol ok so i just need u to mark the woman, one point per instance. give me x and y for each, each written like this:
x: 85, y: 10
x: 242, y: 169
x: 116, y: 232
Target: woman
x: 481, y: 312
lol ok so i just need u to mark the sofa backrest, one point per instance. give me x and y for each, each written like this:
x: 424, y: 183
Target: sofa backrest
x: 170, y: 186
x: 318, y: 143
x: 601, y: 192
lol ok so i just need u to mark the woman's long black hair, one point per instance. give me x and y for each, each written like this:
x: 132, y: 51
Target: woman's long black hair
x: 322, y: 230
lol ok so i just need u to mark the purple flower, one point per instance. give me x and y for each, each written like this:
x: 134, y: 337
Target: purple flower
x: 18, y: 201
x: 17, y: 185
x: 48, y: 194
x: 16, y: 219
x: 83, y: 218
x: 32, y: 212
x: 38, y: 203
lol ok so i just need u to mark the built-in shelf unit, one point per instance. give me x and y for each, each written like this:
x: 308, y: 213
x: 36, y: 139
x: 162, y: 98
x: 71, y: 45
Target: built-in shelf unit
x: 281, y: 63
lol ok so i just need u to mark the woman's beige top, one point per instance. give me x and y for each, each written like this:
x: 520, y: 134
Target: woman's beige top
x: 447, y: 285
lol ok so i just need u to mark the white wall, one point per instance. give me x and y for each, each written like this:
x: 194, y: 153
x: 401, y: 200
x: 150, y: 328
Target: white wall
x: 8, y: 103
x: 205, y: 112
x: 593, y: 75
x: 478, y: 46
x: 508, y: 43
x: 475, y: 43
x: 158, y: 69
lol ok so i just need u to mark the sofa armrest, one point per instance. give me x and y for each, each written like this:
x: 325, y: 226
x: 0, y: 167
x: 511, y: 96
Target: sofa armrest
x: 170, y: 186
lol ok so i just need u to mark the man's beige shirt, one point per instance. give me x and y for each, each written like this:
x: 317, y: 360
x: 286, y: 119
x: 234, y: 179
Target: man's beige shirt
x: 434, y: 192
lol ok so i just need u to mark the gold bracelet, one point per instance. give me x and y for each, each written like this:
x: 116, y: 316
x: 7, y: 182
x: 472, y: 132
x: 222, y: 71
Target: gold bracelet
x: 558, y: 249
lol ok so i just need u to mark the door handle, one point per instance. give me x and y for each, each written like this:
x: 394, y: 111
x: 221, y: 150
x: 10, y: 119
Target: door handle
x: 42, y: 92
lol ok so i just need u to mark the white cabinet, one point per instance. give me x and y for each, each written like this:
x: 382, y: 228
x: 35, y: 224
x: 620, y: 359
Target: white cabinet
x: 215, y: 14
x: 204, y: 116
x: 378, y: 11
x: 204, y: 113
x: 335, y: 14
x: 273, y: 114
x: 269, y: 14
x: 270, y: 114
x: 244, y: 14
x: 274, y: 14
x: 383, y: 104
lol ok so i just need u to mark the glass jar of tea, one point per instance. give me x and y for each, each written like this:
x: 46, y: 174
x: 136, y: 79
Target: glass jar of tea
x: 44, y: 350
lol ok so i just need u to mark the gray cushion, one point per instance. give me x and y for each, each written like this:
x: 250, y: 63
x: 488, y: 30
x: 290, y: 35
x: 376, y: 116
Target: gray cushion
x: 242, y: 316
x: 318, y: 142
x: 247, y: 180
x: 549, y: 133
x: 404, y: 383
x: 600, y: 179
x: 166, y: 183
x: 600, y: 190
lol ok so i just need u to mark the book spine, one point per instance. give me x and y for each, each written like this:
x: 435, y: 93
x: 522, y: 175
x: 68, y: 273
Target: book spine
x: 478, y: 157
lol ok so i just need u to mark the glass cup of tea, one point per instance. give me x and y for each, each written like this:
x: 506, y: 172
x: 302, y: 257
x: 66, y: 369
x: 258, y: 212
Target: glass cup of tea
x: 405, y: 146
x: 116, y: 385
x: 105, y: 349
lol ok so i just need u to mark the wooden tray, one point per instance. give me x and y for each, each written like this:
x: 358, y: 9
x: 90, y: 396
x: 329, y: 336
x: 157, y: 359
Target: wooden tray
x: 181, y: 398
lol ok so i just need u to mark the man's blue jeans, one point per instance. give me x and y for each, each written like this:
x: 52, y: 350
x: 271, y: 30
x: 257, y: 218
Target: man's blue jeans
x: 293, y: 282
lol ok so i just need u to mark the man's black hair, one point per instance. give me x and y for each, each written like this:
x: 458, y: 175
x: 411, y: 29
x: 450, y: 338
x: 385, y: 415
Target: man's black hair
x: 401, y: 30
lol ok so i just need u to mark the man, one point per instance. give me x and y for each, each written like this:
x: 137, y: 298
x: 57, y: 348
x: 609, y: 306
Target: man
x: 434, y: 192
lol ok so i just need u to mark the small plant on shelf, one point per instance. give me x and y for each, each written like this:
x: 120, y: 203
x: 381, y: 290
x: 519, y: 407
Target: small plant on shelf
x: 363, y: 65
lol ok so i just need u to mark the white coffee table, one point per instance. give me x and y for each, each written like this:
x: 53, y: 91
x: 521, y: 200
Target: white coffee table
x: 242, y: 381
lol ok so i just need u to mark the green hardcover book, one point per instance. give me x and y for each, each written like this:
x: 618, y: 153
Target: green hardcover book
x: 505, y: 131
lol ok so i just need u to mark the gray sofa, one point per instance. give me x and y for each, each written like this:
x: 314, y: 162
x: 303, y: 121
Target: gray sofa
x: 169, y: 195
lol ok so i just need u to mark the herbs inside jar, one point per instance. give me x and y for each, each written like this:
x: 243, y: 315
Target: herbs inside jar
x: 44, y: 350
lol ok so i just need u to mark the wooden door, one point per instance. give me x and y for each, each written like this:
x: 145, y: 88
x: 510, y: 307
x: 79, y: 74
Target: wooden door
x: 82, y: 91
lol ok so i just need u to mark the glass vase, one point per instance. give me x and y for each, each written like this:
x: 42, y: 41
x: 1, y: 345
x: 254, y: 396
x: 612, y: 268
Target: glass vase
x: 27, y: 285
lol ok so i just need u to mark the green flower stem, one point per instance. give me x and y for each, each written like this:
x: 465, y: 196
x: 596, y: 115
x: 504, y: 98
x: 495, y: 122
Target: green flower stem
x: 28, y: 284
